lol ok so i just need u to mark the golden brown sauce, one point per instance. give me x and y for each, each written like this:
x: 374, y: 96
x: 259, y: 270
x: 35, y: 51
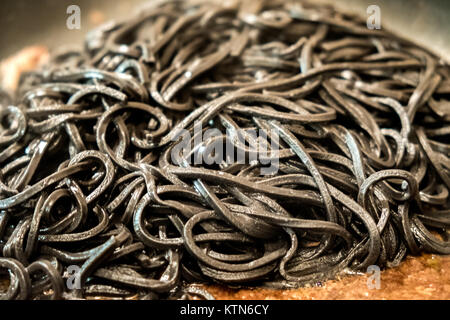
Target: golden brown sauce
x: 425, y: 278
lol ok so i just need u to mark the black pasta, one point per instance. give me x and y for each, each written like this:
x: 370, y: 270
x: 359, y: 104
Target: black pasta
x: 88, y: 180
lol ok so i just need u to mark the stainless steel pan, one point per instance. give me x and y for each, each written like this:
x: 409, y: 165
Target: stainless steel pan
x: 27, y: 22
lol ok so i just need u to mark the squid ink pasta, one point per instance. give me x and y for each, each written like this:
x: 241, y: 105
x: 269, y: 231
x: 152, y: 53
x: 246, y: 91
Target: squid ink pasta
x: 109, y: 185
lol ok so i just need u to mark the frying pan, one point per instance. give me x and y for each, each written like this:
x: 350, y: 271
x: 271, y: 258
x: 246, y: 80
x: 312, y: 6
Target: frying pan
x: 43, y: 22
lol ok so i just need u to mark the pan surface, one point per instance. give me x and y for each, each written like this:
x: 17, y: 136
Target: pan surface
x: 43, y: 22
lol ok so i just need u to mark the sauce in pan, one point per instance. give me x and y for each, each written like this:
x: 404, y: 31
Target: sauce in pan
x: 417, y: 278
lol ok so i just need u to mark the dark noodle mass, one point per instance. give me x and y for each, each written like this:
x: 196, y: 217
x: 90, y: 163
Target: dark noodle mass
x: 92, y: 203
